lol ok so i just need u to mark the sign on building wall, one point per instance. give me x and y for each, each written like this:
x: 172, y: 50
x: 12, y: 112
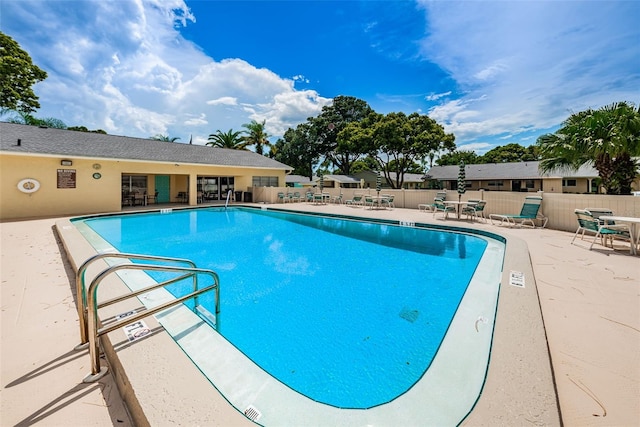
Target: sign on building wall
x: 66, y: 178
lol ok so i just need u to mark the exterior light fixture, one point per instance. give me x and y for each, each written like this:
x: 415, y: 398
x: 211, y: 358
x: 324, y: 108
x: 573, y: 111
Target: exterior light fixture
x: 66, y: 162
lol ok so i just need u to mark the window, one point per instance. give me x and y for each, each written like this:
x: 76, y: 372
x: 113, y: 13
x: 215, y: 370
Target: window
x: 264, y: 181
x: 568, y: 182
x: 134, y: 184
x: 530, y: 183
x: 495, y: 183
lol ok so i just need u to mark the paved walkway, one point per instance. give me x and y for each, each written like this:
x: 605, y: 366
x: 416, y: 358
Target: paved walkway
x: 590, y: 303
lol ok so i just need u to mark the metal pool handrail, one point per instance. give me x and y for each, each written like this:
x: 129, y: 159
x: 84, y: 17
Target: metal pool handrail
x: 92, y: 305
x: 228, y: 197
x: 80, y: 288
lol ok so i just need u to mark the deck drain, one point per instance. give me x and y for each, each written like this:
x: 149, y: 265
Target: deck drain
x: 252, y: 413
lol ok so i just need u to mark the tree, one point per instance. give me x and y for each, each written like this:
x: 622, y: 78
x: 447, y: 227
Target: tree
x: 256, y: 135
x: 508, y: 154
x: 455, y: 157
x: 85, y: 129
x: 335, y: 137
x: 299, y: 149
x: 164, y: 138
x: 230, y: 139
x: 25, y: 118
x: 17, y: 75
x: 607, y: 138
x: 399, y: 141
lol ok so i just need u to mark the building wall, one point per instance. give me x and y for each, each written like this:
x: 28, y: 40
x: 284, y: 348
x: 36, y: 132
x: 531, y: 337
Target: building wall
x: 104, y: 194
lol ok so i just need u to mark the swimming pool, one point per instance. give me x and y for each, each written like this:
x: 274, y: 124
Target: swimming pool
x: 314, y: 271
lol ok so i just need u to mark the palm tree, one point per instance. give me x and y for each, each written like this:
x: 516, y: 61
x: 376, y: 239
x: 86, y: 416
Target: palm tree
x: 608, y: 138
x: 256, y: 135
x: 165, y: 138
x: 229, y: 139
x: 24, y: 118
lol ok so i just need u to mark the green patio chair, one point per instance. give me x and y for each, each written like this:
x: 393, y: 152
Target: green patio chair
x: 388, y: 201
x: 368, y: 201
x: 355, y: 201
x: 475, y: 210
x: 431, y: 206
x: 528, y: 214
x: 587, y: 223
x: 439, y: 206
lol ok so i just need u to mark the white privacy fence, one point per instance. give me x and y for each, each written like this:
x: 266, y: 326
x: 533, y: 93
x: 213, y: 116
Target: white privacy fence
x: 558, y: 207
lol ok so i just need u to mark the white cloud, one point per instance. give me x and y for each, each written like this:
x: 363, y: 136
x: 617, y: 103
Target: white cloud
x: 125, y: 68
x: 478, y: 147
x: 436, y: 96
x: 522, y: 66
x: 225, y: 100
x: 196, y: 121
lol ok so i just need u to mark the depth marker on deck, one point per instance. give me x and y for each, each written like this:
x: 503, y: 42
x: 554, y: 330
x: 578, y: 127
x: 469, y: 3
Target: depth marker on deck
x: 516, y: 278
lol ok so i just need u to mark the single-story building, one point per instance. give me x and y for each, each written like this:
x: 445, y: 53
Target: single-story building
x: 52, y: 172
x: 517, y: 176
x: 337, y: 181
x: 299, y: 181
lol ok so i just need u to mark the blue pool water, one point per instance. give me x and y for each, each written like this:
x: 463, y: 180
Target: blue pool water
x: 347, y: 313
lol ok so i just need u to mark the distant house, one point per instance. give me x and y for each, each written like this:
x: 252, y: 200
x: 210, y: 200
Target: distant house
x: 519, y: 176
x: 411, y: 180
x: 49, y: 172
x: 337, y: 181
x: 299, y: 181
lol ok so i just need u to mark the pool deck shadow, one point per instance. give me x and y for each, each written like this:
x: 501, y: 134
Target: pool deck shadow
x: 587, y: 350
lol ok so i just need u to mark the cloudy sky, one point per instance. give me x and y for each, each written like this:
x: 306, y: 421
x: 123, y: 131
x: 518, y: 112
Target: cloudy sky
x: 492, y: 72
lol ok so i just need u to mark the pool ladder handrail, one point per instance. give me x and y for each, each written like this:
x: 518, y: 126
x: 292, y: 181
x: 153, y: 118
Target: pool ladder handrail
x: 80, y: 281
x: 90, y: 330
x: 227, y: 202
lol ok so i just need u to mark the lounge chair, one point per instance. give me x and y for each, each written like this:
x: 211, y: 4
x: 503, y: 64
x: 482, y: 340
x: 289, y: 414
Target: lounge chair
x: 587, y: 223
x: 281, y: 197
x: 528, y: 214
x: 439, y: 206
x: 355, y: 201
x: 475, y: 209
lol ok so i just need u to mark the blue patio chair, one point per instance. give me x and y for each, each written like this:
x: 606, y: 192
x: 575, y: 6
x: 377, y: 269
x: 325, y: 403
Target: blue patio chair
x: 528, y: 214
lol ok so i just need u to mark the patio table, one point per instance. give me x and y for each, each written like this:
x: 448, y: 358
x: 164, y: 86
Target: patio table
x: 378, y: 201
x: 458, y: 204
x: 634, y: 232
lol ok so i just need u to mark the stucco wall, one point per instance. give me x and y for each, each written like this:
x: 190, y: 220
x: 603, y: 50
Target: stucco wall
x: 92, y: 195
x: 557, y: 207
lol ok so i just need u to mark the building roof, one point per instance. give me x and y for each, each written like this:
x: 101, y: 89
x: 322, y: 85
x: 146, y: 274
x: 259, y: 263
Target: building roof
x: 408, y: 177
x: 342, y: 179
x: 66, y: 143
x: 516, y: 170
x: 297, y: 179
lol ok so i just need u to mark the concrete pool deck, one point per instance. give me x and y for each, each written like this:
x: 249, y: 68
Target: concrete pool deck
x: 589, y: 299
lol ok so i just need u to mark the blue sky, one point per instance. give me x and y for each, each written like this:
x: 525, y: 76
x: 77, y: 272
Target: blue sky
x: 492, y: 73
